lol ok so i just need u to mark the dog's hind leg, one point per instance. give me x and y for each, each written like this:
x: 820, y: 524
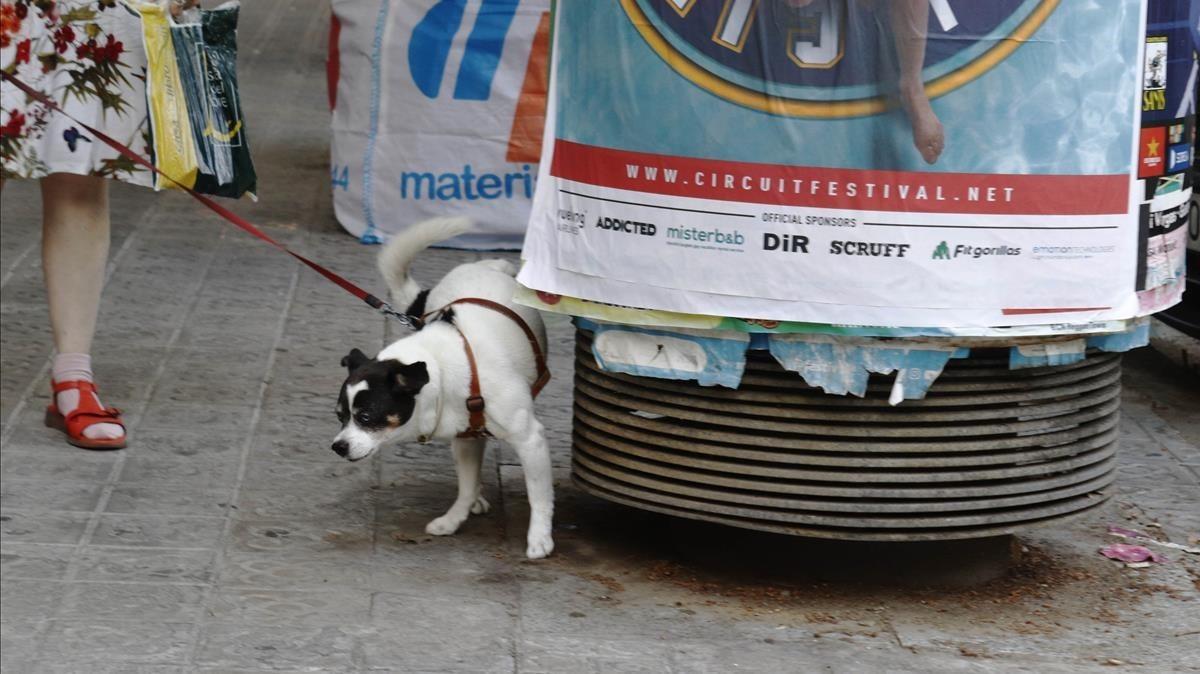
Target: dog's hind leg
x: 468, y: 461
x: 529, y: 441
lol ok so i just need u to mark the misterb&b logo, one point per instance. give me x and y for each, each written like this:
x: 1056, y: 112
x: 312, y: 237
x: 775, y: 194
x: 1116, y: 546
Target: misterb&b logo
x: 433, y: 38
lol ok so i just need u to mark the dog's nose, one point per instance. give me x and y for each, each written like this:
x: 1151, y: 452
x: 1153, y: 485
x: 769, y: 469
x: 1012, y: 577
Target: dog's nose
x: 341, y: 448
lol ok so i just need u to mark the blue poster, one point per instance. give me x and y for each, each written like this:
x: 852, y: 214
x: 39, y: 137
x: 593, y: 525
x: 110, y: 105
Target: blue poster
x: 946, y: 163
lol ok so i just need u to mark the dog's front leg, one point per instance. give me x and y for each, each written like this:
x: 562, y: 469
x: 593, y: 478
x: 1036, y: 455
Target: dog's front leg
x: 529, y: 441
x: 468, y: 460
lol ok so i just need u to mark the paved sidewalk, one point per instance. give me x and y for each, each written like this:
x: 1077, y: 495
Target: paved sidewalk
x: 229, y: 538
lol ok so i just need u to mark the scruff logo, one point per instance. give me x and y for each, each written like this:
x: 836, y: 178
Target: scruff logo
x: 815, y: 60
x: 434, y: 35
x: 942, y: 251
x: 868, y: 249
x: 628, y: 226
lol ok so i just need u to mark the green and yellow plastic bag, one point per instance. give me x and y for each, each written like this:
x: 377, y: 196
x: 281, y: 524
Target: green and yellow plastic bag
x: 170, y: 130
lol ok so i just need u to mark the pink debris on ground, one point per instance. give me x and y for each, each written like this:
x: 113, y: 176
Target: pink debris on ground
x: 1131, y: 553
x: 1122, y: 531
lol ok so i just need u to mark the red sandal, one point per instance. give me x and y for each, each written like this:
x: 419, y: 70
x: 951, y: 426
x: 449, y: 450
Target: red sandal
x: 86, y: 414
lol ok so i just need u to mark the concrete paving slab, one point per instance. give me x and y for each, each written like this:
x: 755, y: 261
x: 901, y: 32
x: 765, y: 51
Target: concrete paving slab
x: 89, y: 642
x: 228, y: 538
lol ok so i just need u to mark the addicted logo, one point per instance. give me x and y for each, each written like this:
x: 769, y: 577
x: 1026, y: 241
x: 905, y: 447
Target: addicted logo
x: 627, y: 226
x: 821, y: 59
x: 944, y: 252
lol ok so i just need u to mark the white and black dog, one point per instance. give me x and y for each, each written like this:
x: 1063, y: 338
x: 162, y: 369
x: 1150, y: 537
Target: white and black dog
x: 416, y: 389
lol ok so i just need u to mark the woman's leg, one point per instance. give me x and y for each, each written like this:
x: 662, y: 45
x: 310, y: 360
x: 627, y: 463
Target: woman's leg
x: 75, y: 239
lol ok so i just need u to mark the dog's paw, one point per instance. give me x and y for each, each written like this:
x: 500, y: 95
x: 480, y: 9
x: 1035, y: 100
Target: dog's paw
x: 443, y: 526
x: 540, y: 546
x: 480, y: 506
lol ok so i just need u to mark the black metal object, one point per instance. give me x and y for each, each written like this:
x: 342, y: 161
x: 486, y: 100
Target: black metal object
x: 989, y: 451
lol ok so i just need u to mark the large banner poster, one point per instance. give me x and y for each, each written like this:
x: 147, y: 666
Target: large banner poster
x: 437, y: 110
x: 908, y: 162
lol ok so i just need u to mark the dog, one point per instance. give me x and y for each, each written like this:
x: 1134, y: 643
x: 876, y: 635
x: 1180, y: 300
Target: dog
x: 417, y: 388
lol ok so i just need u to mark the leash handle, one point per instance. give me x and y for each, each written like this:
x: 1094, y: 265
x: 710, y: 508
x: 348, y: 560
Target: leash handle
x: 231, y: 217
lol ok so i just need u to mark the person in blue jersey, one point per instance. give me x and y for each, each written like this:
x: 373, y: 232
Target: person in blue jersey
x: 909, y: 21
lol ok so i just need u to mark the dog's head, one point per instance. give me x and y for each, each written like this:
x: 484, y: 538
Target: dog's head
x: 378, y: 398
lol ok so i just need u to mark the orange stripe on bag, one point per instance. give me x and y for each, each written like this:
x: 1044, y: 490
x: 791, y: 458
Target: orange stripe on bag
x: 525, y: 139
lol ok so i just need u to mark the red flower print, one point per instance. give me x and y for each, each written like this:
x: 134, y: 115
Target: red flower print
x: 24, y: 49
x: 110, y: 52
x: 10, y: 23
x: 113, y: 49
x: 16, y: 123
x: 63, y: 37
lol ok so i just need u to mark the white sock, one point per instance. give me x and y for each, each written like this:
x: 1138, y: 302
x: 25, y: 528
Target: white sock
x: 77, y: 367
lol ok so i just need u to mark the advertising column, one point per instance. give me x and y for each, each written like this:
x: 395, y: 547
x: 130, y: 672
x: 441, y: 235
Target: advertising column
x: 941, y: 163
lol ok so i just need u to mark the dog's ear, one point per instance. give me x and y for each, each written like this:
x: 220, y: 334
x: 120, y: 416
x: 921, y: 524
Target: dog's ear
x: 411, y: 378
x: 352, y: 360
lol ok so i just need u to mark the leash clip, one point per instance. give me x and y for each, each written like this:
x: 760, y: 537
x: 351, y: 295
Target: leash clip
x: 410, y: 322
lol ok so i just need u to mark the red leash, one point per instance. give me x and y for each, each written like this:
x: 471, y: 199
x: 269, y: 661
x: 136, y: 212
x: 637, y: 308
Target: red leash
x: 243, y: 224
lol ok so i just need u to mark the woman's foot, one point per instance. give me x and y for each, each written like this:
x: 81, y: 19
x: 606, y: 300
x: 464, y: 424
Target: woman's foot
x: 77, y: 410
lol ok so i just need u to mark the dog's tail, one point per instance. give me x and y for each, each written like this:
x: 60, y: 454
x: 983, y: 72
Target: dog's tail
x: 397, y: 256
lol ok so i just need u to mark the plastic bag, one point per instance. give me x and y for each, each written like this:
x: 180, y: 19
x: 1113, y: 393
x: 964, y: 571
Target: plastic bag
x: 205, y: 45
x: 170, y: 129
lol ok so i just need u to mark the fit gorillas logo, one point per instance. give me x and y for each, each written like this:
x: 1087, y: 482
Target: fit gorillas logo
x: 942, y: 251
x: 819, y: 58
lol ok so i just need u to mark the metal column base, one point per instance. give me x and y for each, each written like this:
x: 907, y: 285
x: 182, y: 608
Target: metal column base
x: 989, y: 451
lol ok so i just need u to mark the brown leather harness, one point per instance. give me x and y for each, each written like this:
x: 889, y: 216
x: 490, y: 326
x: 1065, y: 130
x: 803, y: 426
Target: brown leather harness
x: 476, y: 422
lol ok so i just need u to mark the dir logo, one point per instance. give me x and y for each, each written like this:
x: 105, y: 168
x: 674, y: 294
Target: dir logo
x: 434, y: 35
x: 787, y: 243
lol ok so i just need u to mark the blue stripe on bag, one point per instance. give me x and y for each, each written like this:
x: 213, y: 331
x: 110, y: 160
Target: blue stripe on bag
x: 369, y: 236
x: 484, y: 47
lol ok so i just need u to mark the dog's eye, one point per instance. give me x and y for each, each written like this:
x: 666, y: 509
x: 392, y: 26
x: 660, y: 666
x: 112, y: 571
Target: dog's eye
x: 363, y: 418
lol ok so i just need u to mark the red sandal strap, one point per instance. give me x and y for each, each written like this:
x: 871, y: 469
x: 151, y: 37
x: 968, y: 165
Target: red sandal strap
x: 85, y: 418
x: 81, y: 385
x: 86, y: 413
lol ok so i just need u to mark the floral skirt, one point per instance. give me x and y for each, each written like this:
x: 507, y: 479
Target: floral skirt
x: 88, y: 56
